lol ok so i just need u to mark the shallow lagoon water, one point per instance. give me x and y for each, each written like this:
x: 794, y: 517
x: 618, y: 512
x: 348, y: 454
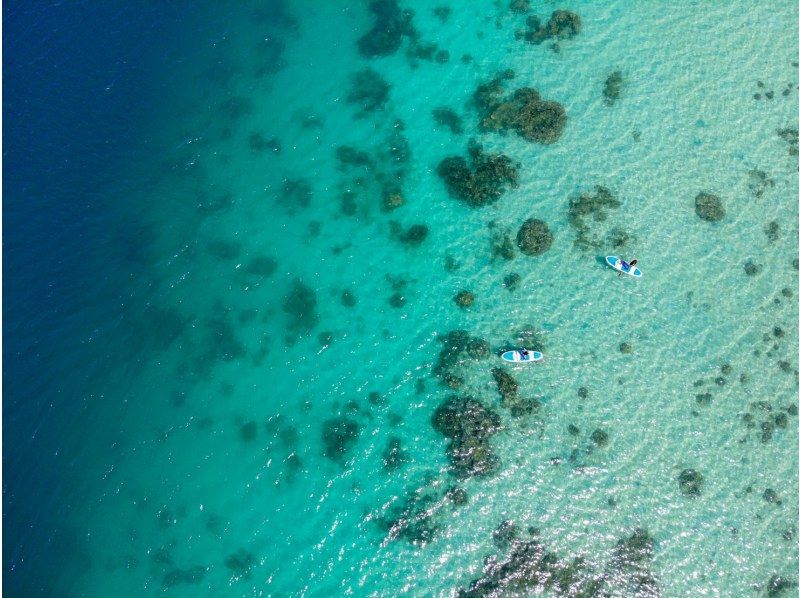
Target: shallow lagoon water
x: 202, y: 467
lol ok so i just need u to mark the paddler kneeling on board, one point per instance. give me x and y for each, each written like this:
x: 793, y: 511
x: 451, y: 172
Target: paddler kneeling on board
x: 524, y: 354
x: 626, y: 266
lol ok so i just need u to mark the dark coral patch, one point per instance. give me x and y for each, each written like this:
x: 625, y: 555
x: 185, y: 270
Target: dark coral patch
x: 482, y: 180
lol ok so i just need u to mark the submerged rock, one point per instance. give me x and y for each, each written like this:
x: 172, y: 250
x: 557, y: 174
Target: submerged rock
x: 600, y: 437
x: 512, y: 281
x: 507, y: 386
x: 296, y: 193
x: 391, y: 24
x: 777, y: 585
x: 459, y: 348
x: 759, y: 182
x: 447, y: 117
x: 563, y: 24
x: 262, y: 266
x: 240, y: 563
x: 505, y: 534
x: 773, y: 231
x: 594, y: 206
x: 258, y: 143
x: 527, y: 114
x: 369, y: 91
x: 457, y: 495
x: 464, y: 299
x: 339, y: 434
x: 394, y: 456
x: 300, y: 304
x: 414, y: 234
x: 751, y: 268
x: 709, y: 207
x: 690, y: 482
x: 248, y: 431
x: 613, y: 88
x: 442, y: 13
x: 503, y: 246
x: 469, y: 425
x: 348, y: 299
x: 790, y: 136
x: 482, y: 180
x: 530, y: 570
x: 534, y: 237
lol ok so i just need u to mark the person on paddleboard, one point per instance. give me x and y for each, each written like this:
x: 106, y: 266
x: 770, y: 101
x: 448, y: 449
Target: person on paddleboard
x: 524, y: 354
x: 627, y: 266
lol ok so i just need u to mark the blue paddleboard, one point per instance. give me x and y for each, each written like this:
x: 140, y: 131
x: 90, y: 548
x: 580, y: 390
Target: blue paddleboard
x: 616, y: 263
x: 516, y: 356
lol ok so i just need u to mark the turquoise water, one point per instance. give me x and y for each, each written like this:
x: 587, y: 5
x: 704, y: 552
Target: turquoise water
x: 202, y: 466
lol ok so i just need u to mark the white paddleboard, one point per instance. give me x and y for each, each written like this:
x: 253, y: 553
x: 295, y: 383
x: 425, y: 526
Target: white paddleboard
x: 516, y: 356
x: 616, y: 263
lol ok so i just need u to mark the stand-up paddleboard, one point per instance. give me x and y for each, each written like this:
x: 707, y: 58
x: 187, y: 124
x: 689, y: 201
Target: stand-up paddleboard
x: 616, y: 263
x: 516, y: 356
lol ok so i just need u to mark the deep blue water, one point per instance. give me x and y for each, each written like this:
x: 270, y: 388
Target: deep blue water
x: 79, y: 81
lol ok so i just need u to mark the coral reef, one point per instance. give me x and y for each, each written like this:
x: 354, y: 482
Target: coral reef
x: 534, y: 237
x: 709, y: 207
x: 482, y: 180
x: 469, y: 425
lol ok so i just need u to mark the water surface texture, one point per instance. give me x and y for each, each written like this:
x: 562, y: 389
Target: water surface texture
x: 262, y: 257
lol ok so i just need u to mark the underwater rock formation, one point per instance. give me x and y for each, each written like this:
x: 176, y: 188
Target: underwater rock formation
x: 595, y: 205
x: 751, y: 268
x: 523, y: 111
x: 773, y: 231
x: 464, y: 299
x: 512, y: 281
x: 295, y: 193
x: 240, y: 563
x: 520, y: 6
x: 394, y: 456
x: 258, y: 143
x: 790, y: 136
x: 528, y: 115
x: 460, y: 348
x: 709, y: 207
x: 414, y: 234
x: 348, y: 298
x: 469, y: 425
x: 300, y: 304
x: 508, y: 388
x: 262, y: 266
x: 505, y: 534
x: 534, y: 237
x: 447, y: 117
x: 482, y: 180
x: 759, y: 182
x: 613, y: 88
x: 690, y: 482
x: 442, y: 13
x: 414, y: 519
x: 369, y: 91
x: 563, y: 24
x: 339, y: 434
x: 503, y: 245
x: 391, y: 24
x: 600, y: 437
x: 531, y: 569
x: 777, y: 585
x: 632, y: 558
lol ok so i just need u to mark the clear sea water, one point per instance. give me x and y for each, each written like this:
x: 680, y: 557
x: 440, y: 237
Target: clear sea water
x: 170, y: 173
